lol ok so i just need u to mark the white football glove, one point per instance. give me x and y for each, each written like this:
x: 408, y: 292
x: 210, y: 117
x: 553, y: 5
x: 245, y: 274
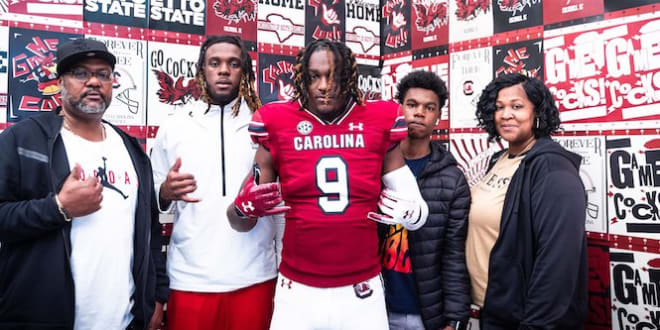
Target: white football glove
x: 398, y: 210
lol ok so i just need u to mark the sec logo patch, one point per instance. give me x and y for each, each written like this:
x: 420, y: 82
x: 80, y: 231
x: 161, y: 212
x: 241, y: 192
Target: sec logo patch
x: 304, y: 127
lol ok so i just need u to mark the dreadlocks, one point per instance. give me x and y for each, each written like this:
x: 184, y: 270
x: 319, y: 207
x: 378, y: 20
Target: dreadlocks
x: 246, y: 87
x: 343, y: 71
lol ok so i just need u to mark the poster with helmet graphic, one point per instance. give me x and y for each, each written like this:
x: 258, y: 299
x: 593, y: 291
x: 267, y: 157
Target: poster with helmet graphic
x: 363, y: 26
x: 275, y: 77
x: 470, y: 19
x: 33, y: 72
x: 171, y: 83
x: 511, y: 15
x: 129, y: 85
x: 469, y: 71
x: 593, y: 174
x: 232, y: 17
x: 395, y: 26
x: 429, y: 23
x: 325, y: 19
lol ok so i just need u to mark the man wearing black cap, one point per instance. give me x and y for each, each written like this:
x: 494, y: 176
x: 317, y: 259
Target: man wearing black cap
x: 80, y: 238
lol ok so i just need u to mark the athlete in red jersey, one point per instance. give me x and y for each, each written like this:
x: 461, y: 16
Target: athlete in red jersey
x: 330, y: 152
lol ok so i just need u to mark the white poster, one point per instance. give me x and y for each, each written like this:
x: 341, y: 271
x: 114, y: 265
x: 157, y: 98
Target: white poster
x: 469, y: 72
x: 470, y: 19
x: 633, y: 175
x: 129, y: 86
x: 363, y: 26
x: 592, y: 173
x: 473, y: 152
x: 635, y: 289
x: 281, y: 22
x: 171, y: 81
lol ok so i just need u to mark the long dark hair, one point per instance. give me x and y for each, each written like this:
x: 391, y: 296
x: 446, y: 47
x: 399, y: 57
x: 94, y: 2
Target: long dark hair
x: 344, y: 71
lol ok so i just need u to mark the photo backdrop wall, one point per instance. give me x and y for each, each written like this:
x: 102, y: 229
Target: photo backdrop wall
x: 600, y: 58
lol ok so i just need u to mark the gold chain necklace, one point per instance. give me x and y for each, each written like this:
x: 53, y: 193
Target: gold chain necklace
x: 66, y: 125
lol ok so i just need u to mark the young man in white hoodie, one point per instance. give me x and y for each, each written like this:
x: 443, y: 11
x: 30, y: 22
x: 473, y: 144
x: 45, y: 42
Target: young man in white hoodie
x: 218, y: 277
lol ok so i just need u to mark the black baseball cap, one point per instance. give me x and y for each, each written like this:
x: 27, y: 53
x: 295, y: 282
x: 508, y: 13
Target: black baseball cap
x: 74, y: 51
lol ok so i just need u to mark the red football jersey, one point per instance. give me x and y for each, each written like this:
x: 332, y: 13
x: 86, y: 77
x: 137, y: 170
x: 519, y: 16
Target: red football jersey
x: 330, y: 174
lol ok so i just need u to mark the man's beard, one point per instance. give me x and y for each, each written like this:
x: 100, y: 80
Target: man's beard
x: 221, y: 99
x: 81, y: 105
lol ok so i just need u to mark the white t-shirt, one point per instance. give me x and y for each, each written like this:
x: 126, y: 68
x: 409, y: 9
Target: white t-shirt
x: 102, y: 242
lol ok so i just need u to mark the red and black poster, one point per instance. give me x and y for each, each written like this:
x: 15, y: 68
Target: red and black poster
x: 560, y: 11
x: 117, y: 12
x: 525, y: 57
x: 186, y: 16
x: 62, y: 9
x: 275, y: 77
x: 606, y: 75
x: 33, y: 72
x: 614, y: 5
x: 369, y: 82
x: 395, y: 26
x: 511, y: 15
x: 324, y: 19
x: 598, y: 257
x: 4, y: 68
x: 430, y: 23
x: 232, y: 17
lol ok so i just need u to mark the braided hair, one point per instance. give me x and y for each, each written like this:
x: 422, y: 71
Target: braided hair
x: 343, y: 71
x: 246, y: 87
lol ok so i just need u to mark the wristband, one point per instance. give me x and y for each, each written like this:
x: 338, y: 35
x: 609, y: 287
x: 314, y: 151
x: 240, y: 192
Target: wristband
x: 62, y: 210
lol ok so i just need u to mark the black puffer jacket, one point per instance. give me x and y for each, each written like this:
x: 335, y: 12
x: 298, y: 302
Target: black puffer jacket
x: 438, y: 248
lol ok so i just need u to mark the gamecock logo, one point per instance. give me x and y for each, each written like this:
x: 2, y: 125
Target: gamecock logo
x: 469, y: 9
x: 176, y: 93
x: 515, y: 5
x: 430, y: 15
x: 236, y: 10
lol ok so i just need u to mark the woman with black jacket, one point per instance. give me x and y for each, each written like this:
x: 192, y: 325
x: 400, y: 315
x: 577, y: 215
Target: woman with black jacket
x: 526, y: 245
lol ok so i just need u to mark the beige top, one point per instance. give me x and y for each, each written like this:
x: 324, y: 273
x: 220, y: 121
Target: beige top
x: 484, y: 221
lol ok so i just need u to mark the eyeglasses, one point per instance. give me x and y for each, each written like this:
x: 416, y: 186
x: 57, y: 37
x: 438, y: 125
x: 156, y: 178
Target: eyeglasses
x: 84, y: 75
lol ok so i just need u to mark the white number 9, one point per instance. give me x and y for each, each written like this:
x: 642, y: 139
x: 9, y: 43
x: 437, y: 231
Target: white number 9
x: 332, y: 181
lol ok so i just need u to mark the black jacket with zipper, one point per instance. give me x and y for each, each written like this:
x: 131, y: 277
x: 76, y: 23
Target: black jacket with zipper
x: 537, y: 274
x: 36, y: 284
x: 437, y: 249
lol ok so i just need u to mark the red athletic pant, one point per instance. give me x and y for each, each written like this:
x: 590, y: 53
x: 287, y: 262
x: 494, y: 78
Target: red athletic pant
x: 246, y: 309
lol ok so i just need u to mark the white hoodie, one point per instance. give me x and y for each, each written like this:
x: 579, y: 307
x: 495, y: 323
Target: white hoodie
x: 205, y: 253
